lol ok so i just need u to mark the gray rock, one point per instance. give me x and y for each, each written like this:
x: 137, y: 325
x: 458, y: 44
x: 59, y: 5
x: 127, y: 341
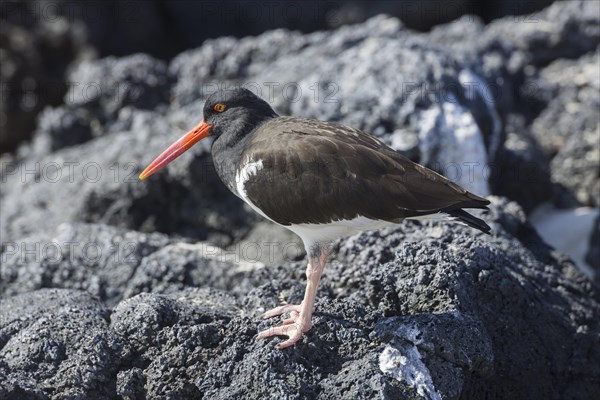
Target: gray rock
x: 100, y: 260
x: 593, y: 254
x: 113, y: 83
x: 37, y: 48
x: 101, y: 96
x: 522, y: 172
x: 62, y: 127
x: 577, y: 166
x: 568, y: 128
x: 563, y: 30
x: 80, y: 30
x: 421, y: 310
x: 114, y: 264
x: 57, y: 344
x: 434, y: 291
x: 518, y: 46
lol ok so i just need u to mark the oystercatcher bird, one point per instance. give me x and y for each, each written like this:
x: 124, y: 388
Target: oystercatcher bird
x: 321, y: 180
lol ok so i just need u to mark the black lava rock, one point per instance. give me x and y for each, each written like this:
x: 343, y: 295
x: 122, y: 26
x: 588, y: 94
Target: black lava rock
x: 420, y: 310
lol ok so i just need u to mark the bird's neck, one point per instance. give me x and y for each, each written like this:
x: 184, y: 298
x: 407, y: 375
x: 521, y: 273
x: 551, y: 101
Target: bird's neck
x: 226, y: 158
x: 227, y: 149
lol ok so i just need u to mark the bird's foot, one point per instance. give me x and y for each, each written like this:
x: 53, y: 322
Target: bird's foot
x: 292, y: 327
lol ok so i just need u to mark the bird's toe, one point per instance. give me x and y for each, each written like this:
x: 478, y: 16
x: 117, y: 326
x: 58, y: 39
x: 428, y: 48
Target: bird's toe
x: 293, y: 318
x: 281, y: 310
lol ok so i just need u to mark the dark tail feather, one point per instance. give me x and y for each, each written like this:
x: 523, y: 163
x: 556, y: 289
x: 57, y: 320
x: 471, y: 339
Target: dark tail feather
x: 470, y: 220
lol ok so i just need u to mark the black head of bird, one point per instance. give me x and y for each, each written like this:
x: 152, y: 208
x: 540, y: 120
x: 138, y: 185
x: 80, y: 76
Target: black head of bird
x: 230, y: 114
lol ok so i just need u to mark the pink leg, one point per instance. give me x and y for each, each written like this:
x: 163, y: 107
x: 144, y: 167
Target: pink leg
x: 300, y: 315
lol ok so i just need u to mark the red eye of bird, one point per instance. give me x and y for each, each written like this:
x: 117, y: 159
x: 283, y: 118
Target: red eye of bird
x: 220, y: 107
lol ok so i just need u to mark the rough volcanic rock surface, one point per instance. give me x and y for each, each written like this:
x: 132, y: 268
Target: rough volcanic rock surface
x: 474, y: 316
x: 61, y: 338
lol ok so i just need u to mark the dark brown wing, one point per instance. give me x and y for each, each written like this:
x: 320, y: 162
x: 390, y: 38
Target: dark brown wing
x: 318, y: 171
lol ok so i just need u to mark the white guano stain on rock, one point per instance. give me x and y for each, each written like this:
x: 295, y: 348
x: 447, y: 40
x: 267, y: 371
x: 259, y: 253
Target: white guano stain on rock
x: 405, y: 365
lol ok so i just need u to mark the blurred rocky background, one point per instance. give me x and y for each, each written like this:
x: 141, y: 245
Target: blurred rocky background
x: 42, y: 40
x: 114, y: 288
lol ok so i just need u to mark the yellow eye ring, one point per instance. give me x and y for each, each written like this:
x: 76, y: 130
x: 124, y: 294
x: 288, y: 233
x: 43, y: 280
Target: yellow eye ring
x: 219, y: 107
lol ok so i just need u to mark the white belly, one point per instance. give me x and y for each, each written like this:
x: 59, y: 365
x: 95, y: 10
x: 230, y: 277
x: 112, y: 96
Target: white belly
x: 311, y: 233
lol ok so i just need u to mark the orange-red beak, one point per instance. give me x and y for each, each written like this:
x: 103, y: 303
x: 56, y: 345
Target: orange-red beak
x: 201, y: 131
